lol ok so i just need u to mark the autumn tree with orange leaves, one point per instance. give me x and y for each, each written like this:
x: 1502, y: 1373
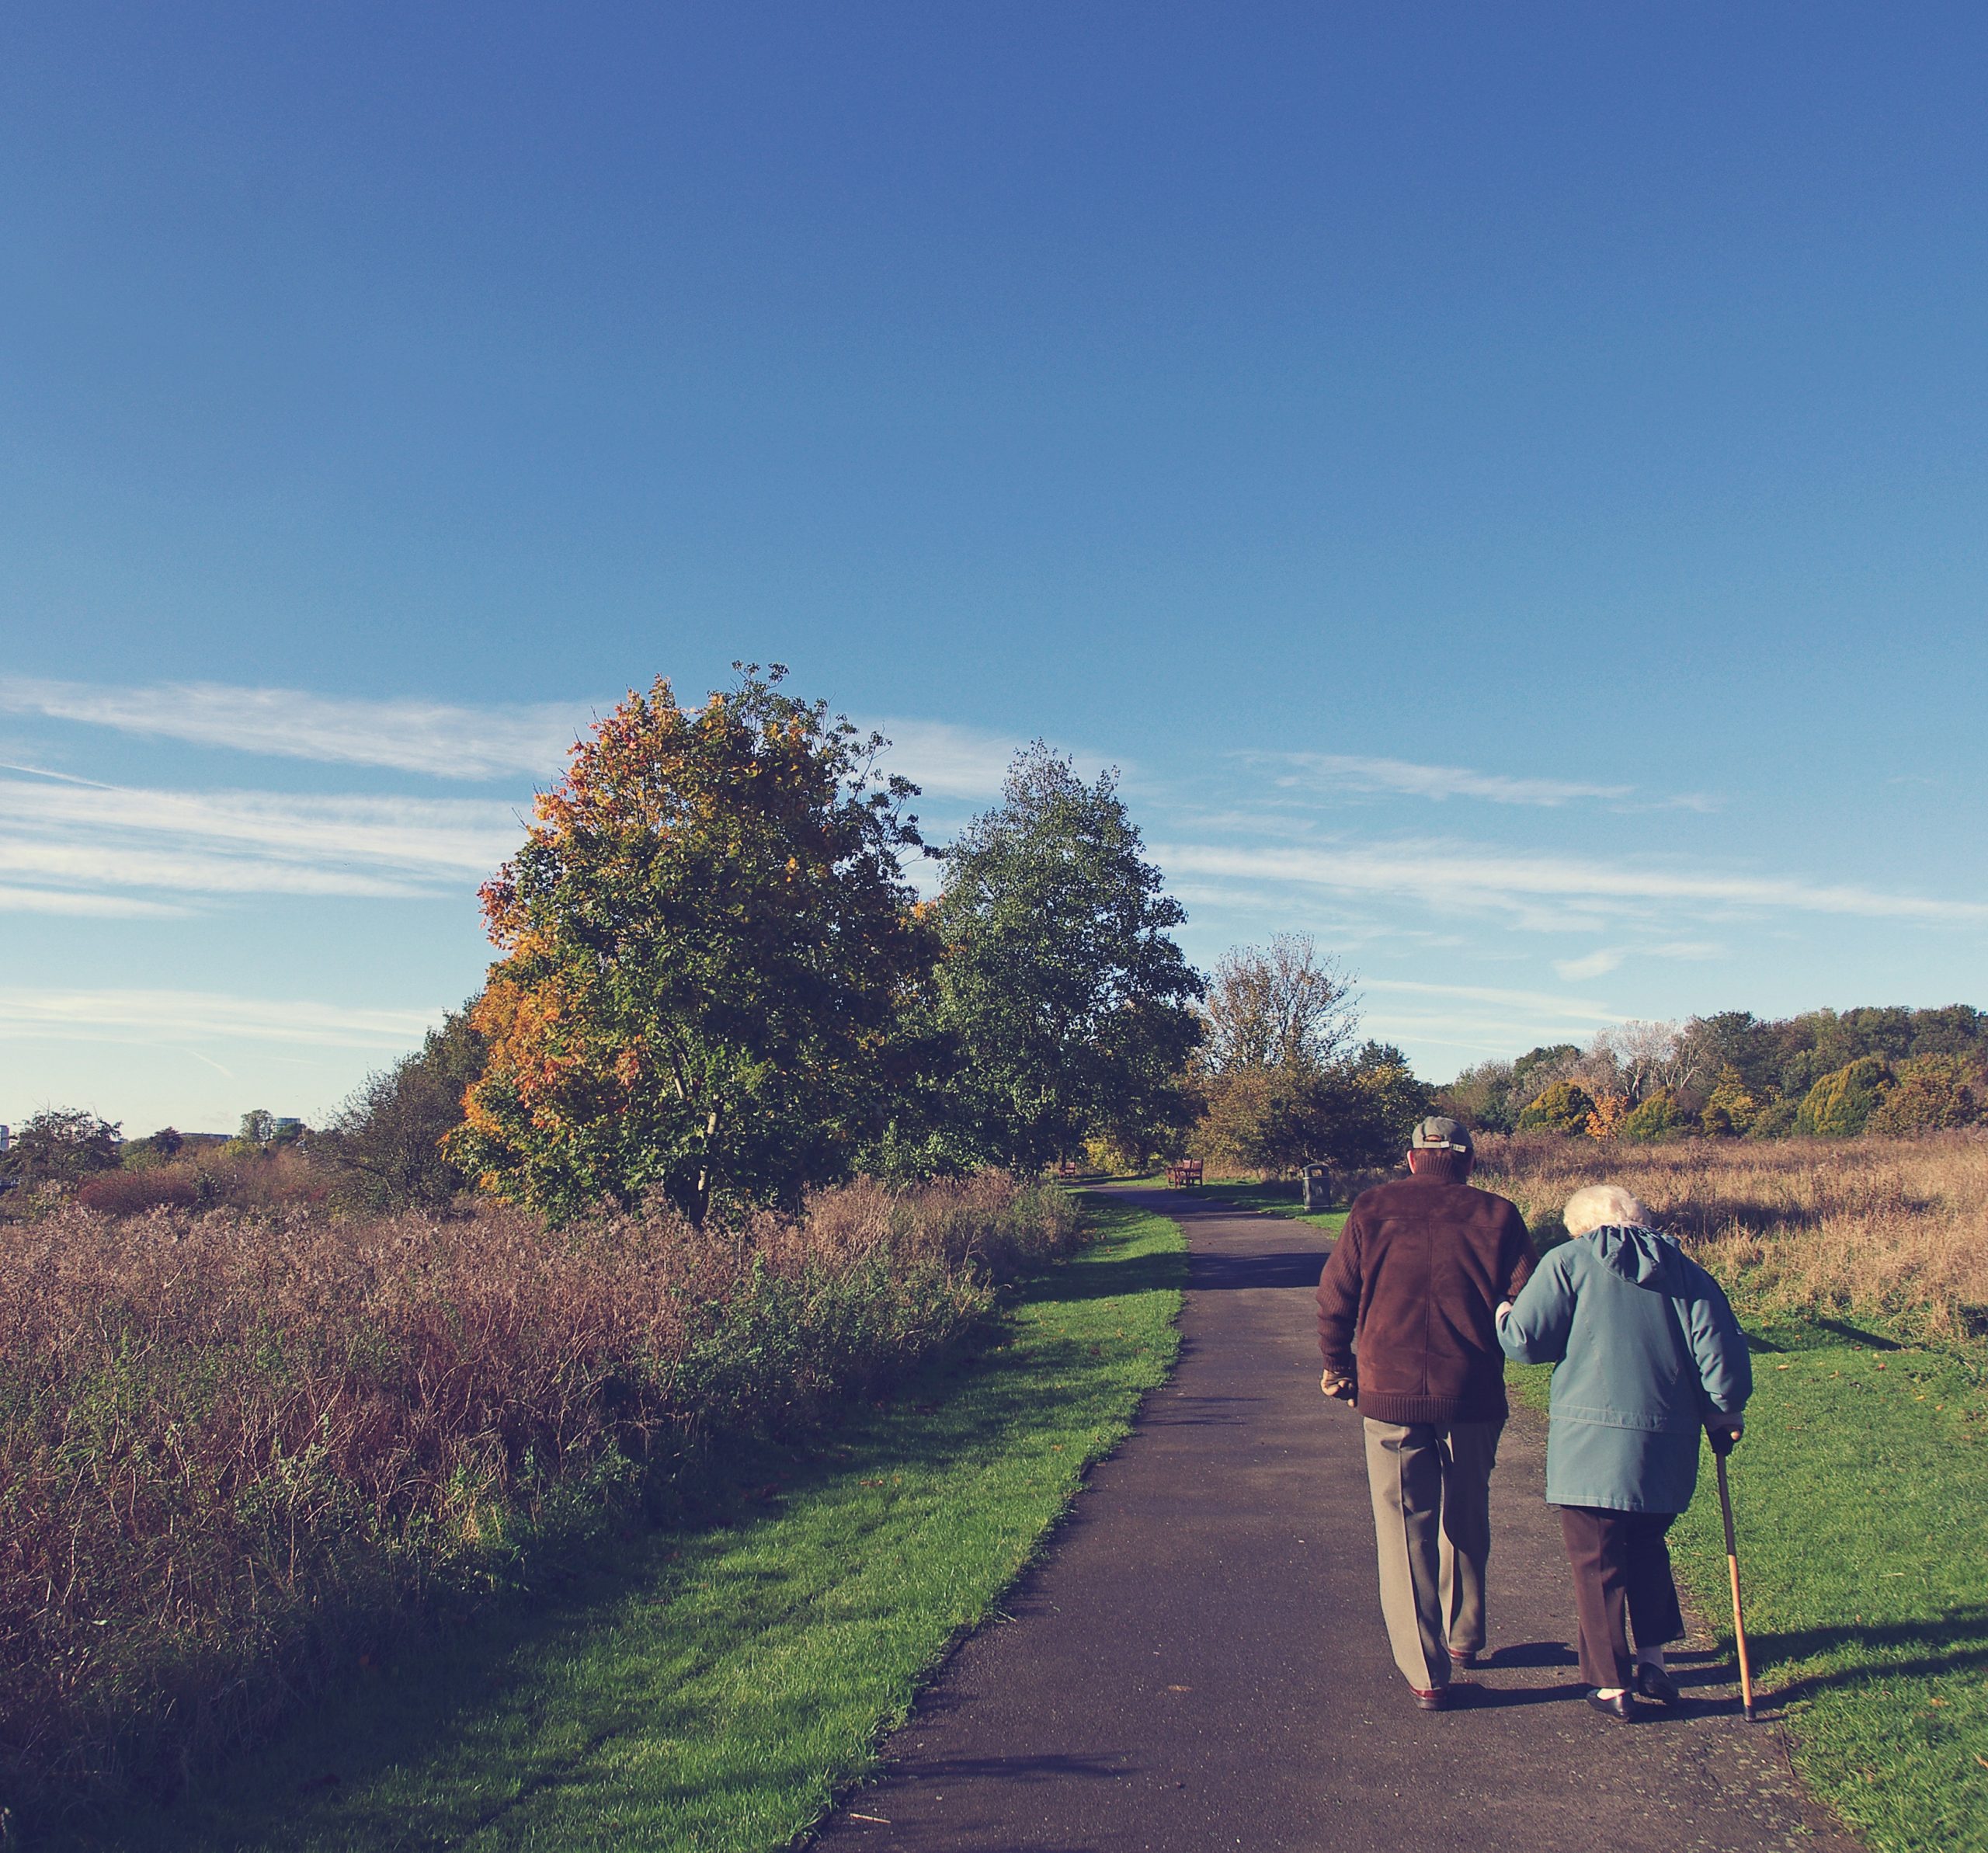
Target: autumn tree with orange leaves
x: 707, y: 946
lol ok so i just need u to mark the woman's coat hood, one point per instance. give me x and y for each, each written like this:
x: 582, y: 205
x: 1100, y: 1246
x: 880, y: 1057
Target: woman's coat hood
x: 1645, y: 1256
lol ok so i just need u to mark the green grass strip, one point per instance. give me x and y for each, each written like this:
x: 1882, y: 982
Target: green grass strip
x: 716, y: 1688
x: 1860, y: 1496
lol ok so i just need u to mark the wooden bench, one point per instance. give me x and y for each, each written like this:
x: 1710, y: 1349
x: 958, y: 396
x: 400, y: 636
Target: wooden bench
x: 1184, y: 1174
x: 1065, y: 1168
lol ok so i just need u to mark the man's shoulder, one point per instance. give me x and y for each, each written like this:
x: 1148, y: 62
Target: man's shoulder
x: 1443, y: 1194
x: 1433, y: 1201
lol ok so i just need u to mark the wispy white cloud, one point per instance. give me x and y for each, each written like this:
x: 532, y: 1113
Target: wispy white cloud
x: 1439, y: 782
x: 442, y: 836
x: 1410, y: 778
x: 946, y: 761
x: 1605, y: 959
x: 87, y: 906
x: 436, y: 739
x: 176, y: 1016
x: 120, y: 866
x: 1465, y: 876
x: 94, y: 837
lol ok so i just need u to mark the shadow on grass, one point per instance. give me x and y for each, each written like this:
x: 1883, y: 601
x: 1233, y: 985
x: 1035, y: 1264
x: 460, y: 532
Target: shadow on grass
x: 1956, y: 1642
x: 1121, y: 1278
x: 451, y: 1677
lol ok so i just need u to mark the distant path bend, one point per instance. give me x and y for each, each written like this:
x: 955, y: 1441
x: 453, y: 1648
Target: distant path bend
x: 1199, y: 1662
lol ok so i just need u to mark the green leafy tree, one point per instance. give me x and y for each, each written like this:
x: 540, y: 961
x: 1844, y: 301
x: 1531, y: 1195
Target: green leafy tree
x: 1930, y: 1093
x: 1381, y: 1101
x: 1839, y: 1104
x: 1061, y: 987
x: 1731, y: 1108
x: 1563, y: 1107
x: 155, y: 1149
x: 1658, y: 1116
x: 708, y: 952
x: 1952, y: 1029
x: 387, y: 1139
x: 1481, y: 1098
x: 63, y: 1146
x: 1776, y: 1120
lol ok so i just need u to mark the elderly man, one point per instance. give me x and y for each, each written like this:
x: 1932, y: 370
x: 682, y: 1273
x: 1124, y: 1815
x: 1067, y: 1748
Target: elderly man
x: 1648, y: 1355
x: 1412, y: 1288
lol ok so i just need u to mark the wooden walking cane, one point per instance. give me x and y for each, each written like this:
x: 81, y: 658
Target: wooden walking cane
x: 1732, y: 1568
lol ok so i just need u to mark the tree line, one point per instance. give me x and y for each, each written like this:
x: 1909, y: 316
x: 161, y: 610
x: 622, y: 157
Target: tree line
x: 716, y: 983
x: 1824, y: 1073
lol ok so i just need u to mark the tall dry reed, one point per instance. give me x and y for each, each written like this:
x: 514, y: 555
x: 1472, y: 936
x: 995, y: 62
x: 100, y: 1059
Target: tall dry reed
x: 1896, y: 1227
x: 233, y: 1446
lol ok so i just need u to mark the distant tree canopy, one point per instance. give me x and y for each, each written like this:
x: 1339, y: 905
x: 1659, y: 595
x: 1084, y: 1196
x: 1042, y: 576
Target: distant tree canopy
x: 1280, y: 1084
x: 1065, y: 1000
x: 1879, y: 1070
x: 388, y: 1137
x: 708, y: 948
x: 1279, y: 1006
x: 63, y: 1146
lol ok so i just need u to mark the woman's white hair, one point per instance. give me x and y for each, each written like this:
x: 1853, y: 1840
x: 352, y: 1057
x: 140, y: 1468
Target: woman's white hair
x: 1603, y: 1206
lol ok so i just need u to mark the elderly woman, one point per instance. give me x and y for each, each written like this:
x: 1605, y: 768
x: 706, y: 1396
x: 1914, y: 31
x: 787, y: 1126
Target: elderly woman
x: 1649, y: 1353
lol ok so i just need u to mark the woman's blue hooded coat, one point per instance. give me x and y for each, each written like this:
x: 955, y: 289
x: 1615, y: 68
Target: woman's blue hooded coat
x: 1647, y: 1348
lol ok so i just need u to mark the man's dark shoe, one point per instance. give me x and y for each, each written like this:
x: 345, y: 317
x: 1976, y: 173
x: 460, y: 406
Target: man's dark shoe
x: 1436, y: 1699
x: 1655, y: 1682
x: 1466, y: 1656
x: 1621, y: 1708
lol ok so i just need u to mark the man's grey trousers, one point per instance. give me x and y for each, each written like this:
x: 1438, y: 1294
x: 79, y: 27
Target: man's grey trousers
x: 1431, y: 1483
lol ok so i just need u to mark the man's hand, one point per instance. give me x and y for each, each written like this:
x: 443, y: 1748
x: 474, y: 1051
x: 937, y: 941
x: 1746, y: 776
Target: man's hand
x: 1341, y: 1389
x: 1724, y: 1432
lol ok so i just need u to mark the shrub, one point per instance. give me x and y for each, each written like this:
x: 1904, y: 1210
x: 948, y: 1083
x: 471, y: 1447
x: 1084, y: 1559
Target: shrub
x: 1606, y: 1121
x: 1839, y: 1104
x: 130, y: 1193
x: 1731, y: 1108
x: 233, y: 1449
x: 1563, y: 1108
x: 1776, y: 1120
x: 1657, y: 1118
x: 1932, y: 1093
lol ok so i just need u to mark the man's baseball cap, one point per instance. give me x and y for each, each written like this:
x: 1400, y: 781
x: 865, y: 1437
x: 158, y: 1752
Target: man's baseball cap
x: 1436, y: 1133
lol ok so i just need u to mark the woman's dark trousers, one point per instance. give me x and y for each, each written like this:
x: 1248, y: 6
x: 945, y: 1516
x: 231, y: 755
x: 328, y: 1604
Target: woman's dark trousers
x: 1621, y: 1563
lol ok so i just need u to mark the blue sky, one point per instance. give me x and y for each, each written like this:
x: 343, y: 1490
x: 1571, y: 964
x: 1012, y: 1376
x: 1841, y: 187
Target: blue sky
x: 1506, y: 484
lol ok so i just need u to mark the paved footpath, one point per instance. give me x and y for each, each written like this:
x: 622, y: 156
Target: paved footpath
x: 1199, y: 1661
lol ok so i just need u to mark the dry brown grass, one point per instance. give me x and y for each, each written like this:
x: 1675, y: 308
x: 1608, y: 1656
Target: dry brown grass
x: 234, y: 1446
x: 1897, y: 1227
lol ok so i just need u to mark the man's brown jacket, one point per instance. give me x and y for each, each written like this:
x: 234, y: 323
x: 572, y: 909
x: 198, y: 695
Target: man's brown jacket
x: 1414, y: 1283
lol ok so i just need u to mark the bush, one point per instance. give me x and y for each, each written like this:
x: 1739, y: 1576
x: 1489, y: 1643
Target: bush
x: 234, y: 1448
x: 1776, y: 1120
x: 131, y: 1193
x: 1657, y: 1118
x: 1840, y: 1104
x: 1563, y: 1108
x: 1731, y: 1108
x: 1932, y: 1093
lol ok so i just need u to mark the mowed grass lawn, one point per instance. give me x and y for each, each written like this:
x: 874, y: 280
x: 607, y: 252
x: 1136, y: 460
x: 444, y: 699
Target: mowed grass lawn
x: 716, y: 1687
x: 1860, y: 1498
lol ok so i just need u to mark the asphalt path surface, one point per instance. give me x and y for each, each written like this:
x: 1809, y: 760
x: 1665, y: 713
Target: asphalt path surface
x: 1199, y: 1662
